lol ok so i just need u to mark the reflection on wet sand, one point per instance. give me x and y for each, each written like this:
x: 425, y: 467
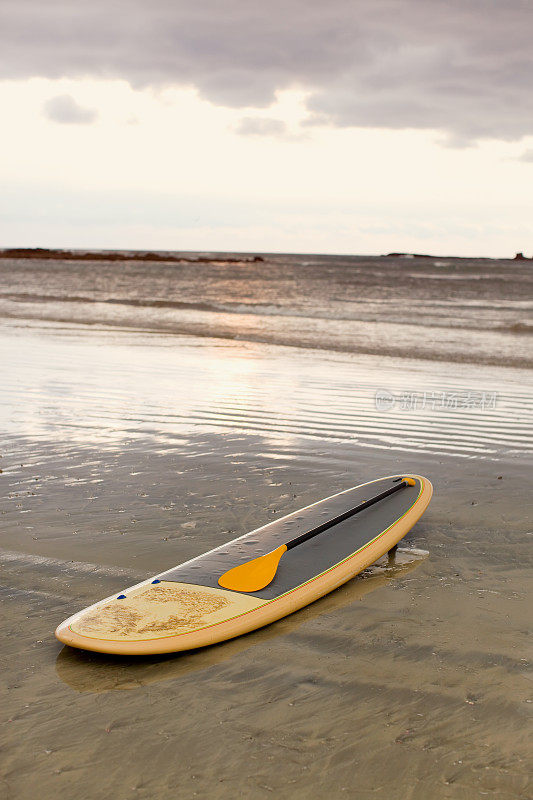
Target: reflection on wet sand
x: 79, y: 390
x: 92, y: 672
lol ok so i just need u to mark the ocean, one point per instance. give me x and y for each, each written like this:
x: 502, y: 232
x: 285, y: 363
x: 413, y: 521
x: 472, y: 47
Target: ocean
x: 461, y: 310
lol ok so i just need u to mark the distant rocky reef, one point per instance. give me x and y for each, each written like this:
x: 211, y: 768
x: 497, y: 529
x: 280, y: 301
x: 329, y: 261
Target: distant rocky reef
x: 518, y: 256
x: 99, y: 255
x: 408, y: 255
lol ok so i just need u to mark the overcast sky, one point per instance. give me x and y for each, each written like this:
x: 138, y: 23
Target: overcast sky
x: 349, y: 126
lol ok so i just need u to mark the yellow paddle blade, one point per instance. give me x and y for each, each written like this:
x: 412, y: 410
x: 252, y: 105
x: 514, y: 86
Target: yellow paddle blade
x: 253, y: 575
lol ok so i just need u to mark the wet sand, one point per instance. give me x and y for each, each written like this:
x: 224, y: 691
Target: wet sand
x: 411, y: 681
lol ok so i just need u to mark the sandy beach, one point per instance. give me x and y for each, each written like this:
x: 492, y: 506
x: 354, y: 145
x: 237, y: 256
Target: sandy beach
x: 126, y: 451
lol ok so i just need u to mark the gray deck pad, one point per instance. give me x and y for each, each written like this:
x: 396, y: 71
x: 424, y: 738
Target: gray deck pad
x: 312, y: 557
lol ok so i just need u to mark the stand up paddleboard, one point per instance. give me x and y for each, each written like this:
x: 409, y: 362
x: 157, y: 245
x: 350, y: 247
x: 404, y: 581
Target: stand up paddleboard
x: 257, y: 578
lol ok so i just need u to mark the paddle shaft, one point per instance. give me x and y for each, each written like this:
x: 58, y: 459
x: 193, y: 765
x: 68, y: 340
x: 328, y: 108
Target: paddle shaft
x: 346, y: 515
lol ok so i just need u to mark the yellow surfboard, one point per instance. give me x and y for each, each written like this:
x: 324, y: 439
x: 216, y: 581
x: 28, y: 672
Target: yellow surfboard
x: 187, y: 607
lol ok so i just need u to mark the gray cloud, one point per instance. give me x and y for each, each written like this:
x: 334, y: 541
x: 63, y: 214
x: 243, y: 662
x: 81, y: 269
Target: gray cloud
x: 526, y: 156
x: 464, y: 67
x: 261, y: 126
x: 63, y: 108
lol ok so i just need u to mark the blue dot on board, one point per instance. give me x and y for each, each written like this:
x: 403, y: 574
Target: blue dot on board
x: 156, y: 581
x: 121, y: 597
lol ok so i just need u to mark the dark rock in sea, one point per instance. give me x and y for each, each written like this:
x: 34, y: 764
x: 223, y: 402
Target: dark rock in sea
x: 521, y: 257
x: 408, y: 255
x: 99, y: 255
